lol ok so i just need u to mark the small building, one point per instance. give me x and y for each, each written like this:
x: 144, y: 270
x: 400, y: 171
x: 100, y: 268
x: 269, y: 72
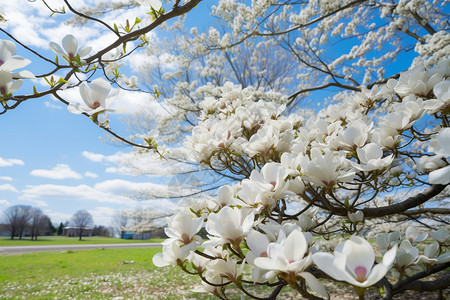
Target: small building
x: 136, y: 236
x: 74, y: 231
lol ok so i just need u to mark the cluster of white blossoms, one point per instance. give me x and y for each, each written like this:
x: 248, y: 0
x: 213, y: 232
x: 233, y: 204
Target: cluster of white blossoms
x: 354, y: 147
x: 11, y: 81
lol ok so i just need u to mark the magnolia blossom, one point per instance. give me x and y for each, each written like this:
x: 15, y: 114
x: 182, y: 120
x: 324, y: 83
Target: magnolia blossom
x: 9, y: 61
x: 326, y: 169
x: 183, y: 227
x: 413, y: 236
x: 7, y: 85
x: 371, y: 157
x: 353, y: 262
x: 70, y: 45
x: 172, y: 253
x: 97, y: 96
x: 387, y: 241
x: 407, y: 255
x: 229, y: 225
x: 288, y: 257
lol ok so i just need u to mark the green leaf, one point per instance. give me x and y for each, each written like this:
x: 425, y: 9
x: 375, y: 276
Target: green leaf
x: 77, y: 59
x: 35, y: 92
x: 56, y: 59
x: 115, y: 28
x: 137, y: 21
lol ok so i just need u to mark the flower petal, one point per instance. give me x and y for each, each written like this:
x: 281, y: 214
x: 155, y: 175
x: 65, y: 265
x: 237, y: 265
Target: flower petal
x: 440, y: 176
x: 56, y: 48
x: 314, y: 284
x: 70, y: 44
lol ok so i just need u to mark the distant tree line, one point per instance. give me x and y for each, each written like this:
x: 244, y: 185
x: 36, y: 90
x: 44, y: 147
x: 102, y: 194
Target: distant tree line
x: 24, y: 219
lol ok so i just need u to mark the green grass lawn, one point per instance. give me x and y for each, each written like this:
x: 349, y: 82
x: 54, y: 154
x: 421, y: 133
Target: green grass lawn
x: 98, y: 274
x: 63, y: 240
x: 92, y: 274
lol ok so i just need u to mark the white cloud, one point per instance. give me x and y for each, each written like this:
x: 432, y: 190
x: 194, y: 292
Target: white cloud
x: 60, y: 171
x: 52, y: 105
x: 90, y: 174
x: 93, y: 156
x: 4, y: 202
x: 8, y: 188
x: 73, y: 193
x: 10, y: 162
x: 57, y: 217
x: 6, y: 178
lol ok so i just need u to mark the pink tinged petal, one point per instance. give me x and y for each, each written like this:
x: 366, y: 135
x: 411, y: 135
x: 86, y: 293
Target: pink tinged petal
x: 361, y: 273
x: 314, y: 284
x: 359, y: 252
x: 84, y: 51
x: 98, y: 91
x: 440, y: 176
x: 70, y: 44
x: 23, y: 74
x: 15, y: 62
x: 56, y: 48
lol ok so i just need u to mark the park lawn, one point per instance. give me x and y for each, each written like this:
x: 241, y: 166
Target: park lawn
x: 92, y: 274
x: 64, y: 240
x: 100, y: 274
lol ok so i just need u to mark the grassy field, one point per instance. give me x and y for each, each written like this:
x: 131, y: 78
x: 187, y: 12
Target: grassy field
x: 92, y: 274
x: 63, y: 240
x: 97, y: 274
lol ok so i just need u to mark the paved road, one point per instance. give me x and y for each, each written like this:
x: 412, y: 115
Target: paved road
x: 29, y: 249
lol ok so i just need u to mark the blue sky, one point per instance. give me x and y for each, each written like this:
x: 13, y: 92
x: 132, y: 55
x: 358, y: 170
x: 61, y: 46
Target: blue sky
x: 55, y: 160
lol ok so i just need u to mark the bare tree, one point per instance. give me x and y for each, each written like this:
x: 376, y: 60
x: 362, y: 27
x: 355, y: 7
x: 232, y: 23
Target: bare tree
x: 17, y: 219
x: 118, y: 223
x: 82, y: 220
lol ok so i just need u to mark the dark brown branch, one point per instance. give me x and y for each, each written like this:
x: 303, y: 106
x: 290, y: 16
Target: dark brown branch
x: 413, y: 282
x: 396, y: 208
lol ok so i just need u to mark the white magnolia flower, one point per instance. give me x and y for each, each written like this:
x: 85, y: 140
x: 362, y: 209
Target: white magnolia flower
x: 288, y: 258
x: 353, y: 262
x: 440, y: 235
x: 387, y: 241
x: 7, y: 85
x: 97, y: 96
x: 70, y: 45
x: 326, y: 169
x: 227, y: 269
x: 442, y: 93
x: 371, y: 157
x: 183, y: 227
x: 229, y: 225
x: 413, y: 236
x: 9, y: 61
x: 356, y: 217
x: 172, y: 253
x: 407, y: 255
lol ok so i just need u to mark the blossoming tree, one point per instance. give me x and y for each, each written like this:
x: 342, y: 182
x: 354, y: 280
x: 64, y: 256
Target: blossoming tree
x: 307, y: 181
